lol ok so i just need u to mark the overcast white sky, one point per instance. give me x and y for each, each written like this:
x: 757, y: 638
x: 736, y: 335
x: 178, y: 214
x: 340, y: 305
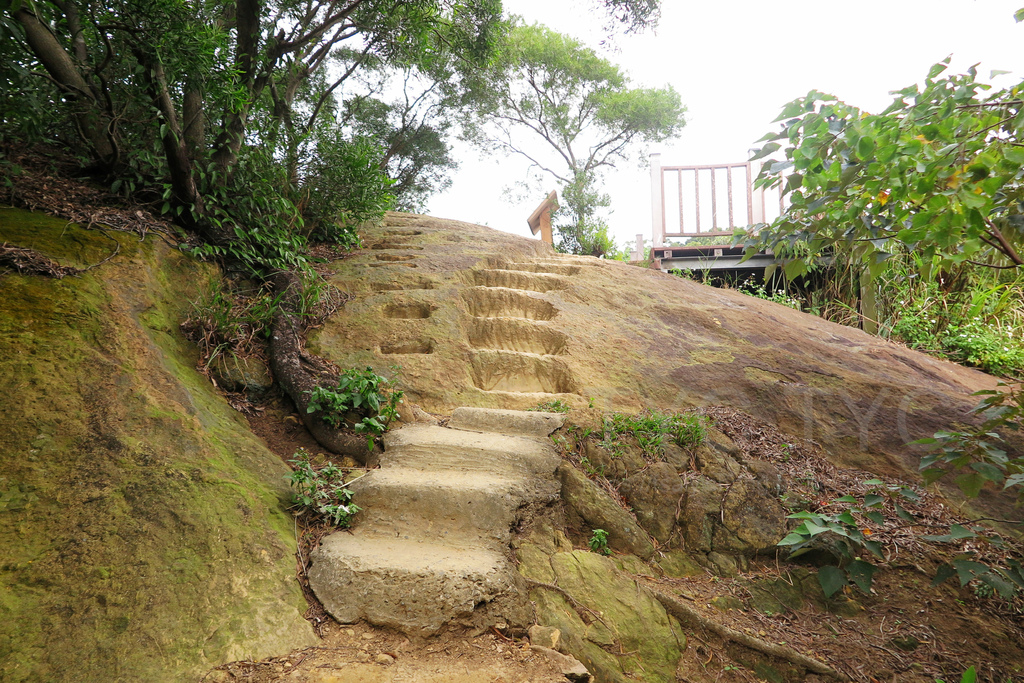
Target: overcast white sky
x: 734, y: 64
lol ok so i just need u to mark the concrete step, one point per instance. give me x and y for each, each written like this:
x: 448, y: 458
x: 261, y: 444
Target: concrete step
x: 471, y: 508
x: 436, y: 448
x: 417, y: 587
x: 513, y: 422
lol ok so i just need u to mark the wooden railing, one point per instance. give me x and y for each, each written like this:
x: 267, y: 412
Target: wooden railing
x: 708, y: 200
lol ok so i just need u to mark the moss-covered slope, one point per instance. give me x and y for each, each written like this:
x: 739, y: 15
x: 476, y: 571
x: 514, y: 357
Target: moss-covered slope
x: 143, y: 534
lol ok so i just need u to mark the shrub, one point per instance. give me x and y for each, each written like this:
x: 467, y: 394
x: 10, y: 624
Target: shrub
x: 599, y: 542
x: 321, y: 490
x: 344, y: 185
x: 371, y: 397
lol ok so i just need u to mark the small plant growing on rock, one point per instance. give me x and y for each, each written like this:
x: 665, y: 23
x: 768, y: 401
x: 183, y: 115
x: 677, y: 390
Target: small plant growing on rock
x: 599, y: 542
x: 556, y: 406
x: 650, y: 429
x: 371, y: 398
x: 321, y: 490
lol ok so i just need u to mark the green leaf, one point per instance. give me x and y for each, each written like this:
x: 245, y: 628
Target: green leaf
x: 803, y: 514
x: 1019, y: 15
x: 957, y: 532
x: 792, y: 539
x: 847, y: 518
x: 968, y: 570
x: 943, y: 574
x: 862, y: 573
x: 832, y: 579
x: 987, y: 470
x: 1014, y: 480
x: 875, y: 516
x: 766, y: 150
x: 1001, y: 586
x: 873, y: 500
x: 904, y: 515
x: 971, y: 676
x: 970, y: 483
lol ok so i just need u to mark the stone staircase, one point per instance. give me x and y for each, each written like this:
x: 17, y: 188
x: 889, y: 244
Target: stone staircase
x: 431, y: 546
x: 515, y: 349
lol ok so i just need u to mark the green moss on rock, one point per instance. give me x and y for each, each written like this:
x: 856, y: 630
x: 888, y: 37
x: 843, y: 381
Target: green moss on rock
x: 143, y: 534
x: 619, y: 618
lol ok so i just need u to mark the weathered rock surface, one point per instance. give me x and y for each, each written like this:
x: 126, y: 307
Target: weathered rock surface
x: 597, y: 509
x: 571, y: 668
x: 477, y: 317
x: 143, y: 530
x: 513, y: 422
x: 615, y: 615
x: 430, y: 548
x: 655, y: 495
x: 617, y: 466
x: 740, y: 518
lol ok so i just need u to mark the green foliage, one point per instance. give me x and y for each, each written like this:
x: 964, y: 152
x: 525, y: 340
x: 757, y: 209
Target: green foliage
x: 760, y: 291
x: 599, y: 542
x: 970, y: 675
x: 975, y: 454
x: 938, y: 172
x: 969, y: 314
x: 413, y: 132
x: 582, y: 114
x: 650, y: 429
x: 265, y: 224
x: 580, y: 228
x: 343, y: 186
x: 371, y: 397
x: 850, y: 532
x: 710, y: 240
x: 321, y: 490
x: 555, y: 406
x: 228, y: 322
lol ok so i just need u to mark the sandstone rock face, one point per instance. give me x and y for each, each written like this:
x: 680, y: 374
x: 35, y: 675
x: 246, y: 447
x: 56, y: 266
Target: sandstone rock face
x: 617, y: 466
x: 741, y: 518
x: 597, y: 509
x: 250, y: 375
x: 654, y: 494
x: 630, y: 620
x: 143, y: 532
x: 477, y: 317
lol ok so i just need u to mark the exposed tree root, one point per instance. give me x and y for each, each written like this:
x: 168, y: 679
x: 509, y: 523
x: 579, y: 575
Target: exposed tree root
x: 298, y: 374
x: 576, y: 604
x: 688, y: 615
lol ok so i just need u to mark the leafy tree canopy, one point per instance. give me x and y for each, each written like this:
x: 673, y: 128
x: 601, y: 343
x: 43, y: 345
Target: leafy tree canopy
x: 939, y: 172
x: 550, y: 89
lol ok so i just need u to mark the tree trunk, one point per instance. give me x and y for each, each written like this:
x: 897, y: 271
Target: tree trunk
x: 297, y: 375
x: 179, y: 162
x: 93, y: 123
x: 195, y: 125
x: 247, y: 26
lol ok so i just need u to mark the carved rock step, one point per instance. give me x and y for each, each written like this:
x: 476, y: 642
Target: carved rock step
x: 430, y: 447
x: 472, y: 508
x: 417, y: 587
x: 519, y: 279
x: 430, y: 547
x: 517, y: 422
